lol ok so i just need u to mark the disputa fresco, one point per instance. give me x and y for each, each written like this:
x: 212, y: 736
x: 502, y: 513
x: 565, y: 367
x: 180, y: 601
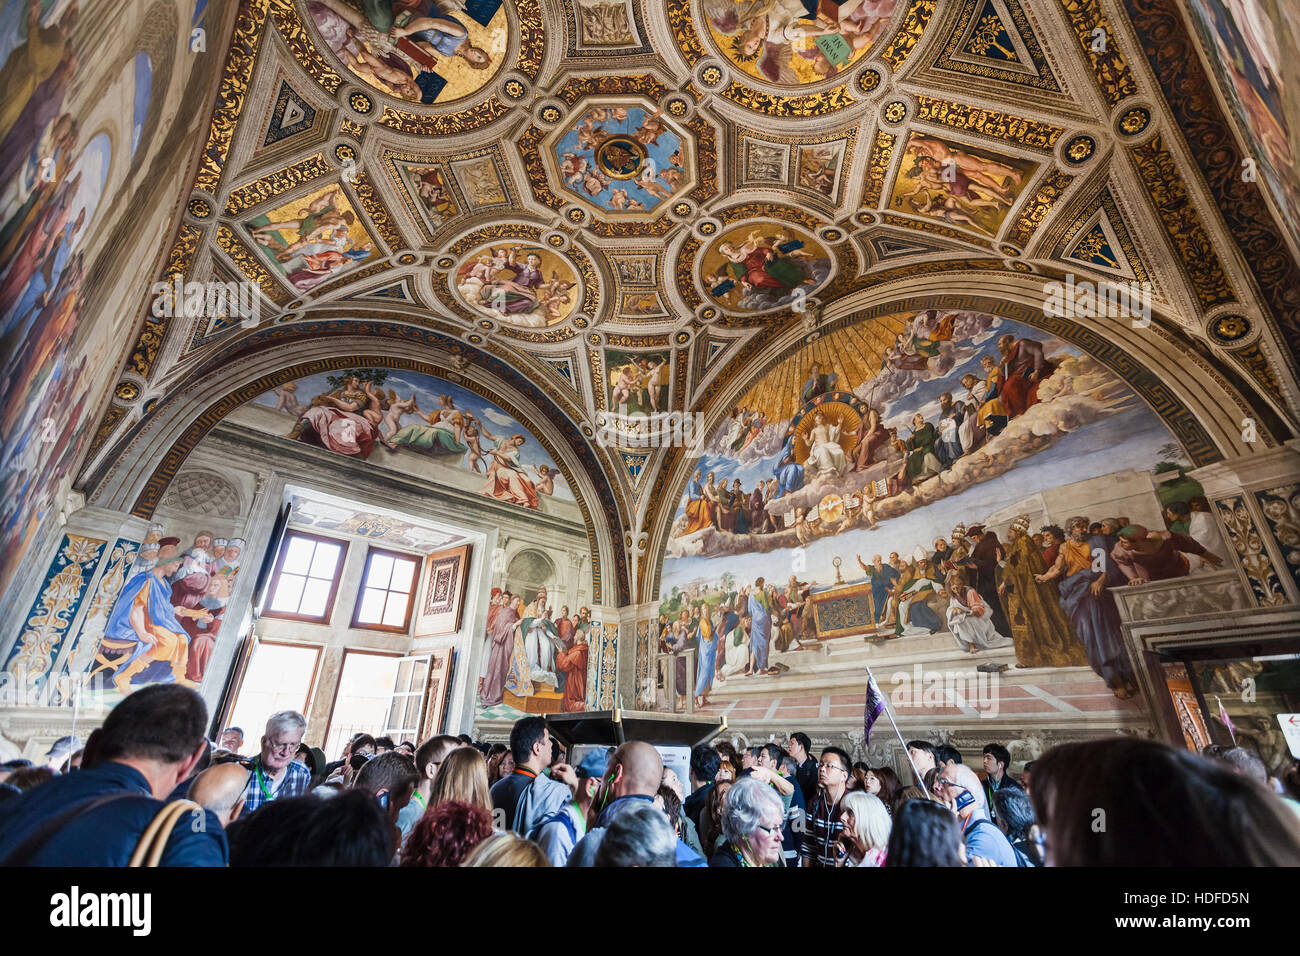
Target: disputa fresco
x: 981, y: 456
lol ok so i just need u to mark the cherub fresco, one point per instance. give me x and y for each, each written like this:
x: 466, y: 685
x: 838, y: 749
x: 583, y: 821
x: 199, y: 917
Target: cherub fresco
x: 623, y: 158
x: 510, y: 283
x: 793, y: 42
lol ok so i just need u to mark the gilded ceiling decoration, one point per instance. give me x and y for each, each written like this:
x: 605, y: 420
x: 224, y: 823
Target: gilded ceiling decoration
x: 575, y: 193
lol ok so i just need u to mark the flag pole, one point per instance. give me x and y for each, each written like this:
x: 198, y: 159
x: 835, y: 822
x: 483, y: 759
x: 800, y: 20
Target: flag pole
x: 884, y: 703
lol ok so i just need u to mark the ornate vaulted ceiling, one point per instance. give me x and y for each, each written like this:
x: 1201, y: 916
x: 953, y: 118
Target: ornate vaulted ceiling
x: 635, y: 155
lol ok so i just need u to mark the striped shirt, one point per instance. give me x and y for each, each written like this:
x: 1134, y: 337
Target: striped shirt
x: 820, y: 846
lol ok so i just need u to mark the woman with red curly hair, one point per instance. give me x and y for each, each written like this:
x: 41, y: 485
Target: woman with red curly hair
x: 446, y: 834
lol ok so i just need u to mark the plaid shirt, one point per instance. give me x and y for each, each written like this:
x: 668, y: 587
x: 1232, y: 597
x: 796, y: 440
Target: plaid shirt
x: 295, y: 782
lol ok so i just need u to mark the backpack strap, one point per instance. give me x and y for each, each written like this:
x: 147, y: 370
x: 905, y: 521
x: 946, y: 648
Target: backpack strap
x: 23, y: 853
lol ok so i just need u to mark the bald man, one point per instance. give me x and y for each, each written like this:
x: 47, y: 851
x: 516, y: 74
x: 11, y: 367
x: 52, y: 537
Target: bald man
x: 632, y: 777
x: 221, y: 789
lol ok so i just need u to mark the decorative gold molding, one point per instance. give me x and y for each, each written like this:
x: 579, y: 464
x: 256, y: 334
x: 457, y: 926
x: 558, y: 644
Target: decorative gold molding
x: 243, y: 198
x: 232, y: 95
x: 179, y: 262
x: 369, y: 199
x: 1108, y: 66
x: 882, y: 155
x: 901, y: 47
x: 1182, y: 223
x: 994, y: 123
x: 1035, y: 211
x: 250, y: 265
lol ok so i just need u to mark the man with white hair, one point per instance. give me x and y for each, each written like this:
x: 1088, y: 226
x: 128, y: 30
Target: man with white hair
x: 959, y: 786
x: 275, y: 773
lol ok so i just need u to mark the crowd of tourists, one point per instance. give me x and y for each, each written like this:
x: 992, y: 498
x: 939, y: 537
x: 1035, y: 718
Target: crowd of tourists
x: 453, y: 801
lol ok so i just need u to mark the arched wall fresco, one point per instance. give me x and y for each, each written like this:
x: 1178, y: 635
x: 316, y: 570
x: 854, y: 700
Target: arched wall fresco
x: 138, y: 471
x: 908, y: 486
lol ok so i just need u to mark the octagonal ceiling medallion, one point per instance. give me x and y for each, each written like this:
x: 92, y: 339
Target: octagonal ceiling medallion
x: 622, y: 159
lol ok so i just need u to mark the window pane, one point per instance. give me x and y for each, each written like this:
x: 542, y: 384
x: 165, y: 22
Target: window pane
x: 372, y: 606
x: 364, y: 695
x: 412, y: 713
x: 417, y: 675
x: 403, y: 574
x: 403, y: 677
x: 315, y: 598
x: 326, y: 560
x: 297, y: 556
x: 288, y: 590
x: 395, y: 713
x: 278, y: 678
x: 395, y: 613
x: 381, y: 570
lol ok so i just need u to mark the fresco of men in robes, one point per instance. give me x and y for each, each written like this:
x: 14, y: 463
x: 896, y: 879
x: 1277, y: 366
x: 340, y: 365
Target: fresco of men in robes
x: 534, y: 653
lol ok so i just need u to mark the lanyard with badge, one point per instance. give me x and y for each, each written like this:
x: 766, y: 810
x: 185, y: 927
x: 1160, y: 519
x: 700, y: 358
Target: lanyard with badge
x: 261, y: 780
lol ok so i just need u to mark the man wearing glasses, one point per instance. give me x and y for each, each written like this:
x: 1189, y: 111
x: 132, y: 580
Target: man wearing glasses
x: 960, y: 788
x: 275, y: 773
x: 821, y: 843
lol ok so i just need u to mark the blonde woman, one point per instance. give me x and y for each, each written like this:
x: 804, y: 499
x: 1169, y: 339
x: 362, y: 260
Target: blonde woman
x: 506, y: 849
x: 463, y: 777
x: 866, y: 829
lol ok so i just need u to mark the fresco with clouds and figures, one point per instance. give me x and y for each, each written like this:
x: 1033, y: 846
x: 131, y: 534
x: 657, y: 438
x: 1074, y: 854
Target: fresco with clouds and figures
x: 428, y: 51
x: 418, y: 425
x: 911, y: 485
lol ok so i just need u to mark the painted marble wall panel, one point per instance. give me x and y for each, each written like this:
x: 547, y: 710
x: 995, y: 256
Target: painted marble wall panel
x: 48, y: 621
x: 1245, y: 537
x: 1281, y: 507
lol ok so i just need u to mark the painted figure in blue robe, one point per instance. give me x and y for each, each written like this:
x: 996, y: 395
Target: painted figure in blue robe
x: 144, y: 616
x: 706, y: 642
x: 760, y: 631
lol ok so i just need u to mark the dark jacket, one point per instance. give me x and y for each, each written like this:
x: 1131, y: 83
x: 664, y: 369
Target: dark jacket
x: 506, y: 793
x: 696, y: 804
x: 807, y: 779
x: 108, y: 834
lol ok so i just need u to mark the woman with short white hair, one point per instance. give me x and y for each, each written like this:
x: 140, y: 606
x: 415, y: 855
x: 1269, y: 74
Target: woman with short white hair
x: 752, y: 817
x: 866, y: 828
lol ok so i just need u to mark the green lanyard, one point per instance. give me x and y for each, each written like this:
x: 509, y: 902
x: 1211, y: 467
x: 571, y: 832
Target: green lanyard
x: 581, y: 816
x: 420, y: 800
x: 261, y: 780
